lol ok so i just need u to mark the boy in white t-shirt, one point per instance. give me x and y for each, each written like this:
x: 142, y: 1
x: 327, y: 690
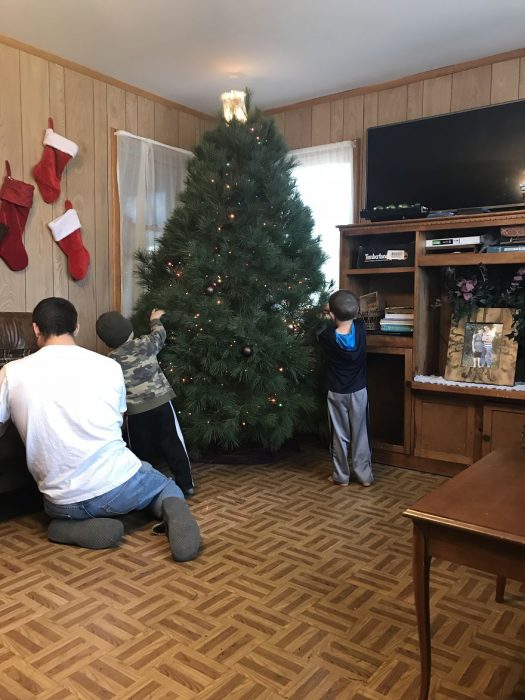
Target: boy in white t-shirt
x: 67, y: 404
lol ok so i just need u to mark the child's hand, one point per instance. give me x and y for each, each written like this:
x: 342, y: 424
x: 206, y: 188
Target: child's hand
x: 156, y: 314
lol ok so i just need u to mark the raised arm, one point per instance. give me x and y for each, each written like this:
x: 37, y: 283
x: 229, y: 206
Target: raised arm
x: 157, y: 336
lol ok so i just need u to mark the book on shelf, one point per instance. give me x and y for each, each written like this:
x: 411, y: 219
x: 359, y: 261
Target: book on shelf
x: 507, y: 248
x: 398, y: 326
x: 402, y: 329
x: 400, y: 318
x: 399, y: 313
x: 396, y: 322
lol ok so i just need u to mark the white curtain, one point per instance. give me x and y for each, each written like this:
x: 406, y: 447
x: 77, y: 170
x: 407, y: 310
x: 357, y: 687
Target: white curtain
x: 324, y: 176
x: 150, y: 177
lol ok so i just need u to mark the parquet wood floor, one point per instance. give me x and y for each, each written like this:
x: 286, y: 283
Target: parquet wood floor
x: 303, y: 591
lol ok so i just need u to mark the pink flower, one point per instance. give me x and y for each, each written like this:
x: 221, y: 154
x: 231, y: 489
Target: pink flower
x: 467, y: 296
x: 467, y: 285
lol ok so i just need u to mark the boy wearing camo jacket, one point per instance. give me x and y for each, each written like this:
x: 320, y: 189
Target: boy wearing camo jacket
x: 151, y: 418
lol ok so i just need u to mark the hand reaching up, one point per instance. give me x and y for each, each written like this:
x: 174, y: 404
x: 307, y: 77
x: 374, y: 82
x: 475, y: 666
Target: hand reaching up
x: 156, y: 314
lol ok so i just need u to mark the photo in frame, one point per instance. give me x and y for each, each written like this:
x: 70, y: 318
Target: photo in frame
x: 479, y: 350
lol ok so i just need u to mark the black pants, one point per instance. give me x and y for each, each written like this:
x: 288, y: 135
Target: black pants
x: 157, y: 431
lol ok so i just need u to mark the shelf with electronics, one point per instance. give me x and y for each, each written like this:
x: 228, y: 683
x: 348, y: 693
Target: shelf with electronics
x: 427, y: 423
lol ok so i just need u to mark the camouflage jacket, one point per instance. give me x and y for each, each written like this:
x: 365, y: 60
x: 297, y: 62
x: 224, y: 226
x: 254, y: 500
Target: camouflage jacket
x: 146, y: 385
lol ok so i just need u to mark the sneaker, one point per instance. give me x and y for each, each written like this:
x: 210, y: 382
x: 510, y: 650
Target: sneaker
x: 159, y: 529
x: 189, y: 492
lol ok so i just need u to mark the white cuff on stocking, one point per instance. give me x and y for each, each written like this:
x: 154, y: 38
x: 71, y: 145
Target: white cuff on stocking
x: 64, y: 224
x: 60, y: 143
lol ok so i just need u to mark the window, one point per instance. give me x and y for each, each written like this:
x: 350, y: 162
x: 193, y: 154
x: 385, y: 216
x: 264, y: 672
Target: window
x: 150, y: 178
x: 324, y: 176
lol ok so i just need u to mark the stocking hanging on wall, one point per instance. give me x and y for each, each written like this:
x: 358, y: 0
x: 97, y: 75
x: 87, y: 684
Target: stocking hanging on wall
x: 66, y: 232
x: 58, y: 151
x: 16, y: 199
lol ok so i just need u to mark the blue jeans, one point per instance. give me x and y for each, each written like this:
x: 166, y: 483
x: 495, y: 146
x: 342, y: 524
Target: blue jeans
x: 148, y: 487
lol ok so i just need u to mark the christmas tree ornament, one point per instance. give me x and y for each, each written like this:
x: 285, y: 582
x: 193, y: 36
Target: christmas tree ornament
x: 16, y: 200
x: 58, y: 151
x: 66, y: 232
x: 233, y: 106
x: 247, y: 351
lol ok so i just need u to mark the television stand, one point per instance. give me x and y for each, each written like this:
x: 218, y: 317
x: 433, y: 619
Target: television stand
x: 429, y: 425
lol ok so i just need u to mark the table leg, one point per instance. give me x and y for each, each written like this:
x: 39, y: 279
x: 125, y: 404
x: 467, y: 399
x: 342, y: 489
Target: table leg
x: 500, y: 589
x: 421, y: 570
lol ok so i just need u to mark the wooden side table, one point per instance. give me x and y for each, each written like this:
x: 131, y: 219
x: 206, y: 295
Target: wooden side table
x: 476, y: 519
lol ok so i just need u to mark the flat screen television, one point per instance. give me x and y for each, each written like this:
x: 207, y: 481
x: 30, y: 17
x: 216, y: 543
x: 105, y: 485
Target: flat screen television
x: 465, y: 160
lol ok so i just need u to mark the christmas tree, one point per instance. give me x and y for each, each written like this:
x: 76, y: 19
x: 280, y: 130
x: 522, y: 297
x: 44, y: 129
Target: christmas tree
x: 239, y: 274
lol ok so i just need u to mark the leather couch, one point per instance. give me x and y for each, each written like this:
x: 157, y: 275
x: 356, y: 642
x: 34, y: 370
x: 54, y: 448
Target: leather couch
x: 16, y: 340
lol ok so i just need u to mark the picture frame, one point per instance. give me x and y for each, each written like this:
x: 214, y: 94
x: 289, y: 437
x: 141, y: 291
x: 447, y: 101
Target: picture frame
x: 479, y: 349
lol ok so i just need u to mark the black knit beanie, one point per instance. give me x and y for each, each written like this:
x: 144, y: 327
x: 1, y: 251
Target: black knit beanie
x: 113, y: 328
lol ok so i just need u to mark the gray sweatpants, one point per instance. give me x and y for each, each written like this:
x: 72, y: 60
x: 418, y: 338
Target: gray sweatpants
x: 348, y: 415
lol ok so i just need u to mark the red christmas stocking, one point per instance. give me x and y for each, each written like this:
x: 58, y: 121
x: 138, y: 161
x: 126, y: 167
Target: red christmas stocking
x: 16, y: 201
x: 58, y: 151
x: 66, y: 232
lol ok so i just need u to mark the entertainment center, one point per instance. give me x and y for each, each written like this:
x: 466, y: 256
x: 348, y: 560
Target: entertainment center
x: 426, y: 423
x: 444, y: 196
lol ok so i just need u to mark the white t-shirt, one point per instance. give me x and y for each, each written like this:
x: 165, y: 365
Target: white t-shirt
x: 67, y: 404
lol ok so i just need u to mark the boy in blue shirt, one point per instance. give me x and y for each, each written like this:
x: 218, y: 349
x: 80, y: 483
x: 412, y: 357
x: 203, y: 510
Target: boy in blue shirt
x: 344, y: 346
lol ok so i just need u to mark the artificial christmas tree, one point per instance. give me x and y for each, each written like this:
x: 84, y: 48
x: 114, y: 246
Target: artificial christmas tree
x: 238, y: 271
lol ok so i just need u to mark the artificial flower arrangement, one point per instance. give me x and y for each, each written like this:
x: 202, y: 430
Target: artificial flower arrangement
x: 471, y: 288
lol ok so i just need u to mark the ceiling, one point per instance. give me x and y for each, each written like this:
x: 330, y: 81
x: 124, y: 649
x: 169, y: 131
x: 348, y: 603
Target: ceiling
x: 286, y: 51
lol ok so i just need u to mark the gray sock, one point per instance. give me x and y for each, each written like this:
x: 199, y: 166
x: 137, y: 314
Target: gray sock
x: 95, y: 533
x: 183, y: 531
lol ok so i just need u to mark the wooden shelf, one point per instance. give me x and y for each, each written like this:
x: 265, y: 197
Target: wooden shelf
x: 379, y: 270
x: 454, y: 259
x: 376, y: 341
x: 496, y: 393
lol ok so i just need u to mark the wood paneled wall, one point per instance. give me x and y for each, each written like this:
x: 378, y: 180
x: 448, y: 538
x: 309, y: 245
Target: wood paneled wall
x: 347, y: 116
x: 85, y: 108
